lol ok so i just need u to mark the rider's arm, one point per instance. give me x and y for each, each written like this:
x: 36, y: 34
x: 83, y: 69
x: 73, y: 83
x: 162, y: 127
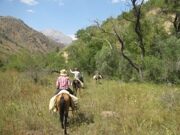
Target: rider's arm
x: 72, y: 71
x: 57, y: 83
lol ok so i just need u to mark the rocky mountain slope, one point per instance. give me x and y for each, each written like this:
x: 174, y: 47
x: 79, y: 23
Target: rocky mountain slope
x: 16, y: 36
x: 57, y: 36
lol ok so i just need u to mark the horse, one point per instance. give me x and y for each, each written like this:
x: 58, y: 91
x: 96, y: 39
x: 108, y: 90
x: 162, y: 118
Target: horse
x: 97, y: 77
x: 76, y: 87
x: 63, y: 102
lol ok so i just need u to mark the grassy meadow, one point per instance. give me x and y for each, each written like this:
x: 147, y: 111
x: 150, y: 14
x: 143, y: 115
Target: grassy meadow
x: 110, y: 108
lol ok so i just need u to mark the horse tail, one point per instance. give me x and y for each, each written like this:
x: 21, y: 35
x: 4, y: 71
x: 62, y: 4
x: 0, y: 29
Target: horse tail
x: 62, y: 108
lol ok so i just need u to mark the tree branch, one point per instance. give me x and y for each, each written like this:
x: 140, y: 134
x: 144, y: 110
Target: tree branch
x: 103, y: 30
x: 137, y: 14
x: 122, y: 50
x: 176, y: 22
x: 120, y: 40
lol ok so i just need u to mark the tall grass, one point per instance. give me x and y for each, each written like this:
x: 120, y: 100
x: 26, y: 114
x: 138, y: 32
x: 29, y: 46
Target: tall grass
x: 110, y: 108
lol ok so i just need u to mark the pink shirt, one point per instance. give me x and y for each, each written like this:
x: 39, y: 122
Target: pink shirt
x: 63, y: 82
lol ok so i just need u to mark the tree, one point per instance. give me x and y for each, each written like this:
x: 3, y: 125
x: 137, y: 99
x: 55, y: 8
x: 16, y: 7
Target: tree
x: 137, y: 28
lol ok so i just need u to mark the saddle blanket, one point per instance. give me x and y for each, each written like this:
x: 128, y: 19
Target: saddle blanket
x: 53, y: 99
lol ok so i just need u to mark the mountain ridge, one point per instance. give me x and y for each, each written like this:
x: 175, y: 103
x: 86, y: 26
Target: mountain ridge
x: 15, y: 36
x: 57, y: 36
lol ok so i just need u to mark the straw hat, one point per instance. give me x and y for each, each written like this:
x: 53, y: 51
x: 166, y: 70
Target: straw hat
x: 63, y: 72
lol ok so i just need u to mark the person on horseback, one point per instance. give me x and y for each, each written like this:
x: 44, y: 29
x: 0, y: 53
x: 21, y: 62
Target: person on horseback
x: 97, y: 77
x: 78, y: 76
x: 63, y: 82
x: 63, y: 86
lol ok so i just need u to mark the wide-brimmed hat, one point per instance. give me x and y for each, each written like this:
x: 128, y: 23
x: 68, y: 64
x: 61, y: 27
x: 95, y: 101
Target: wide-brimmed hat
x: 63, y: 72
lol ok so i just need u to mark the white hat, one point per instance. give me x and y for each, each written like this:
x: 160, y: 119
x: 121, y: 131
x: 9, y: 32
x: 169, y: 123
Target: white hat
x: 63, y: 72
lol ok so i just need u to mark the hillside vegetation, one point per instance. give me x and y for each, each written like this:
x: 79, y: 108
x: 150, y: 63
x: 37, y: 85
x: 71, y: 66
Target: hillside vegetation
x: 112, y: 108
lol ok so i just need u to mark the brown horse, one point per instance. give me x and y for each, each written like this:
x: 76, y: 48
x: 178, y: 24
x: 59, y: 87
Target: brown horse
x: 63, y: 102
x: 76, y: 87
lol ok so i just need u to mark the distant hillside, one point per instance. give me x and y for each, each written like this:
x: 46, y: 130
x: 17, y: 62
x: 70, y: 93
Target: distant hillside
x: 57, y: 36
x: 15, y: 35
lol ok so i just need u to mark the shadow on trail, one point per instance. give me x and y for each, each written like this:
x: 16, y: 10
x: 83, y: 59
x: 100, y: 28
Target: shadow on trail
x: 81, y: 118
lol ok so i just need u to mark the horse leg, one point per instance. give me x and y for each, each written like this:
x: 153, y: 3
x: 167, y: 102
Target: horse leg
x: 99, y: 81
x: 96, y: 81
x: 65, y: 123
x: 74, y: 89
x: 79, y: 92
x: 61, y: 112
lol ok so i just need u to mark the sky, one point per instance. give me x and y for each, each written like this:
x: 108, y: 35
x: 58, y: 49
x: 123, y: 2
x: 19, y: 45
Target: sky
x: 67, y: 16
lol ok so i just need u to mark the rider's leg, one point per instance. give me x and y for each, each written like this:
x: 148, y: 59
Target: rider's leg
x: 70, y: 91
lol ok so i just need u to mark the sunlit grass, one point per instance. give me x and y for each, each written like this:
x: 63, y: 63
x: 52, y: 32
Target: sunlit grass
x: 133, y: 108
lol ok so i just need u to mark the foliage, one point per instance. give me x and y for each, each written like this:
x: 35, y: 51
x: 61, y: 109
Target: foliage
x: 95, y: 50
x: 160, y: 42
x: 113, y: 107
x: 54, y: 61
x: 107, y: 61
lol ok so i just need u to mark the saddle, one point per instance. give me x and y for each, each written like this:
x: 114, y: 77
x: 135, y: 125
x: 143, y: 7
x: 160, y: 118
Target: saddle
x: 52, y: 102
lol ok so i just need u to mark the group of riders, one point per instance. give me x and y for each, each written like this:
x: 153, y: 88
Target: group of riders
x: 64, y: 97
x: 63, y: 84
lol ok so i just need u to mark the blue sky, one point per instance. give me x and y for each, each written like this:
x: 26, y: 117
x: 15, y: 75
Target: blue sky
x: 66, y: 16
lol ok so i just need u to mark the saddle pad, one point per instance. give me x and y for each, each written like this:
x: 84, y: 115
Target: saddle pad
x: 63, y: 91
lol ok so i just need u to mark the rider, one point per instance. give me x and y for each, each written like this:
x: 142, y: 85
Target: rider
x: 63, y: 82
x: 78, y: 76
x: 97, y: 75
